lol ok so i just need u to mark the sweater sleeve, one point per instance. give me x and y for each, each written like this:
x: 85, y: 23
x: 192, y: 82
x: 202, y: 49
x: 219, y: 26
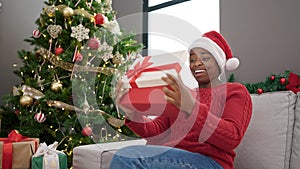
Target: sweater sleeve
x: 146, y: 127
x: 226, y: 131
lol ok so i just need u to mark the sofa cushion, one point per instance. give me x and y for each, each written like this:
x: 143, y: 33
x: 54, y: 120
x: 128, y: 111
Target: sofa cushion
x: 98, y: 156
x: 295, y: 158
x: 267, y: 141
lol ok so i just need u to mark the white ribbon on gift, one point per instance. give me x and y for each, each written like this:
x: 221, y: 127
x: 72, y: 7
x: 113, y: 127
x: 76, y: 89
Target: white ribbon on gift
x: 50, y: 159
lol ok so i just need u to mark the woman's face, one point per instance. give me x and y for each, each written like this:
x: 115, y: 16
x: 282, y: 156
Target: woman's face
x: 204, y: 67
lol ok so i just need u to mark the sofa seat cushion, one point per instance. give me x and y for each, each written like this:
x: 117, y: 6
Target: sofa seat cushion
x: 295, y: 159
x: 98, y: 156
x: 267, y: 141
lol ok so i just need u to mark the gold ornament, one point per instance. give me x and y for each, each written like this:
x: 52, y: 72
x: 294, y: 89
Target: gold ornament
x: 54, y: 30
x: 117, y: 59
x: 56, y: 86
x: 68, y: 12
x: 50, y: 11
x: 26, y: 100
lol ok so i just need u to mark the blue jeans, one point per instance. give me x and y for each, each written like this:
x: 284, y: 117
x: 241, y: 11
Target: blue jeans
x: 160, y: 157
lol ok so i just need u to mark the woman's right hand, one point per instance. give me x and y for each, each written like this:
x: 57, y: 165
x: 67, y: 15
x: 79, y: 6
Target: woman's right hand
x: 120, y: 91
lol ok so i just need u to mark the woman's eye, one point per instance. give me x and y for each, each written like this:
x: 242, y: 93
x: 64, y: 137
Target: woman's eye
x: 205, y: 59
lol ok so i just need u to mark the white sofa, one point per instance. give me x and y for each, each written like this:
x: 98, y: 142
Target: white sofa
x: 272, y: 140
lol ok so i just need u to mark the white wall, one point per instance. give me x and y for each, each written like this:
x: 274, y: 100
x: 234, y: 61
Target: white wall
x: 17, y: 21
x: 264, y: 34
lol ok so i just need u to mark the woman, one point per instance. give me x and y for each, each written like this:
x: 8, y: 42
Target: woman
x: 208, y: 127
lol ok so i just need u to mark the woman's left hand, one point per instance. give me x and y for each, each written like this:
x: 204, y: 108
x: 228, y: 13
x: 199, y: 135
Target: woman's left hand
x: 120, y: 91
x: 180, y: 95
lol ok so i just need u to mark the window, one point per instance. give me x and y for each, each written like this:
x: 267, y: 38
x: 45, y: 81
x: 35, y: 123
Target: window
x: 172, y: 25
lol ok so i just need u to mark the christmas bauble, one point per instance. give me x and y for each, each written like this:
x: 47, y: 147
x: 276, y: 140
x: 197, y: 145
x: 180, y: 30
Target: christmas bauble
x: 56, y: 86
x: 99, y: 19
x: 59, y: 50
x: 272, y: 78
x: 17, y: 112
x: 68, y: 12
x: 94, y: 43
x: 259, y: 91
x: 78, y: 57
x: 282, y: 80
x: 26, y: 100
x: 87, y: 131
x: 40, y: 117
x: 36, y: 33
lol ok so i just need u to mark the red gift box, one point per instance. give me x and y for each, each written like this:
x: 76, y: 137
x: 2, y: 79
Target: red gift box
x: 145, y: 95
x: 16, y: 150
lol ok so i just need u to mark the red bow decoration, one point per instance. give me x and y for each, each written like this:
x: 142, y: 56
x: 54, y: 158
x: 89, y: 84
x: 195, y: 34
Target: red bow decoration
x: 138, y: 68
x: 294, y: 83
x: 13, y: 136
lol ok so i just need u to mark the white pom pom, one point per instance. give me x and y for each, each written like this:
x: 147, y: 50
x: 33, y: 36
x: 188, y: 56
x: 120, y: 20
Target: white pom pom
x: 232, y: 64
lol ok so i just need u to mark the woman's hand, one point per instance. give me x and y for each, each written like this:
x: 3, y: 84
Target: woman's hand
x: 180, y: 95
x: 120, y: 91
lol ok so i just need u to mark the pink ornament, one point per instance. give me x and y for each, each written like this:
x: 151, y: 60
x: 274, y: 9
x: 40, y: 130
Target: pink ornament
x: 77, y: 57
x: 99, y: 19
x: 87, y: 131
x: 40, y: 117
x: 36, y: 33
x: 94, y: 43
x: 59, y: 50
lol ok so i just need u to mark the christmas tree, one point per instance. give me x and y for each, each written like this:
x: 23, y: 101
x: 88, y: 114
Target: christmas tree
x: 67, y: 88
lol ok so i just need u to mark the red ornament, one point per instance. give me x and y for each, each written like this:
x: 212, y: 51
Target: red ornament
x: 94, y: 43
x: 36, y: 33
x: 40, y: 117
x: 87, y: 131
x: 17, y: 112
x: 99, y: 19
x: 78, y: 57
x: 259, y: 91
x: 272, y: 78
x: 282, y: 80
x: 58, y: 51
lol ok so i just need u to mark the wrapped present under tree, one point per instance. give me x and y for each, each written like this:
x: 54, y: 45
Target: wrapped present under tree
x: 47, y: 157
x: 16, y: 151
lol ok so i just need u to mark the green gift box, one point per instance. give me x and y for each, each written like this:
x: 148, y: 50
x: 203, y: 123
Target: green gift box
x: 37, y: 162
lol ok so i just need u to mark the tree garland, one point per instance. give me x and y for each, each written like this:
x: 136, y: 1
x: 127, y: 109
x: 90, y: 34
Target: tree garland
x: 274, y: 82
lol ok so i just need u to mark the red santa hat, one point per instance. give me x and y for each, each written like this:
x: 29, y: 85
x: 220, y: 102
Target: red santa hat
x: 216, y: 44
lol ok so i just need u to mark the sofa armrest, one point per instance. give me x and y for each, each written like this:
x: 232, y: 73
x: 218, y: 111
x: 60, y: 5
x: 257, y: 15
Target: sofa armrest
x: 295, y: 157
x: 98, y: 156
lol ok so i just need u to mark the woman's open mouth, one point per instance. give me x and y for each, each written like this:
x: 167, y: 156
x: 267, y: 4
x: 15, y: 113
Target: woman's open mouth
x: 199, y: 72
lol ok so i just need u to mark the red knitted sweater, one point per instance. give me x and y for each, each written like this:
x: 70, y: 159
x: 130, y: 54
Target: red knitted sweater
x: 215, y: 127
